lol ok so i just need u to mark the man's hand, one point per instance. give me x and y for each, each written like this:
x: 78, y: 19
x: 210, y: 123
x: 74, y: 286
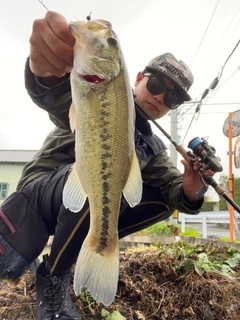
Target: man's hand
x: 191, y: 180
x: 51, y: 47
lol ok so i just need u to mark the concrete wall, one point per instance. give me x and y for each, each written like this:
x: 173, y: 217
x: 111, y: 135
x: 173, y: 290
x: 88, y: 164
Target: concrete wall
x: 10, y: 173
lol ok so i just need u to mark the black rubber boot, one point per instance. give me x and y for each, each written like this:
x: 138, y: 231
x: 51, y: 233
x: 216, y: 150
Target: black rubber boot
x: 53, y: 297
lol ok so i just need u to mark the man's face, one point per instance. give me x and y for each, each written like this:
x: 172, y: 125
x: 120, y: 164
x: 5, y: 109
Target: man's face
x: 152, y: 104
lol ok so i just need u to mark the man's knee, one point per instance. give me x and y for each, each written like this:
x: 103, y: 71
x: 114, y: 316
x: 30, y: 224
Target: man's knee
x: 23, y: 236
x: 12, y: 264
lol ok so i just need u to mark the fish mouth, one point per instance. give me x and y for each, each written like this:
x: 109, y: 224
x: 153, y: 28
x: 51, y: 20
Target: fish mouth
x: 92, y: 78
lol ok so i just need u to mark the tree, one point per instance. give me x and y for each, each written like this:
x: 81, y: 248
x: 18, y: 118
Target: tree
x: 236, y: 193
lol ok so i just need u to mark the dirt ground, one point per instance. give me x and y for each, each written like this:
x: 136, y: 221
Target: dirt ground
x: 151, y: 286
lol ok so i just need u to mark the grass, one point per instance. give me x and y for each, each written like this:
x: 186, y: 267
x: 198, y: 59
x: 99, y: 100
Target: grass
x: 168, y: 228
x: 190, y: 233
x: 228, y: 240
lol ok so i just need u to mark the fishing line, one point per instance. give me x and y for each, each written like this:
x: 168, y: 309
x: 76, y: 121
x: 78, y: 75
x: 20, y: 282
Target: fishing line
x: 41, y: 1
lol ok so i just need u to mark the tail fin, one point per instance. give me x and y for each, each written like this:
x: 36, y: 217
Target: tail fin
x: 98, y: 273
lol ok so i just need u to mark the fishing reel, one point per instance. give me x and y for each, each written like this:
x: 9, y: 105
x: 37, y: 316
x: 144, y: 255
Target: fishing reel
x: 204, y: 154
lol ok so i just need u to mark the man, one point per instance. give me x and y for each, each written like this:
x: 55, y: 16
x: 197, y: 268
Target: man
x: 35, y: 211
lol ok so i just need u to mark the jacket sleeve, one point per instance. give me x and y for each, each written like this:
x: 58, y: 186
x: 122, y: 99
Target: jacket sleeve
x: 161, y: 173
x: 56, y: 101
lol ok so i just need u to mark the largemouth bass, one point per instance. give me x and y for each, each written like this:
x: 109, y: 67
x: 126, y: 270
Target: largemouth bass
x: 103, y: 117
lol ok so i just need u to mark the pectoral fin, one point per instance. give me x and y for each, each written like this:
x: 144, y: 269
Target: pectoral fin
x: 133, y: 188
x: 74, y: 196
x: 72, y: 117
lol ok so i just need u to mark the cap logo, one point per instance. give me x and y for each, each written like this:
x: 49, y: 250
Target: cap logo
x: 176, y: 71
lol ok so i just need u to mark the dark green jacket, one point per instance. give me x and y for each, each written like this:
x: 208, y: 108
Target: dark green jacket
x: 58, y: 149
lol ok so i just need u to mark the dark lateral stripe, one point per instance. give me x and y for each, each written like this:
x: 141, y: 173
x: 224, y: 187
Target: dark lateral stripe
x: 106, y: 155
x: 105, y: 214
x: 7, y: 222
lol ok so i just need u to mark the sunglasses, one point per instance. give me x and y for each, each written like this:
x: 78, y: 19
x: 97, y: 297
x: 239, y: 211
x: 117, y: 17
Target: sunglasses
x: 156, y: 86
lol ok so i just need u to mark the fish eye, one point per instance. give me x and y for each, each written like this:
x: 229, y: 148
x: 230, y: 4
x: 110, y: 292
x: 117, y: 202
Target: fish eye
x: 112, y: 41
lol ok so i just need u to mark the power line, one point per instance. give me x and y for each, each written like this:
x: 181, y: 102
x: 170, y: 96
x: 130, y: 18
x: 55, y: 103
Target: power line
x: 205, y: 93
x: 189, y: 126
x: 220, y: 103
x: 229, y: 5
x: 219, y: 77
x: 235, y: 27
x: 229, y: 26
x: 215, y: 112
x: 228, y: 36
x: 214, y: 83
x: 222, y: 85
x: 214, y: 10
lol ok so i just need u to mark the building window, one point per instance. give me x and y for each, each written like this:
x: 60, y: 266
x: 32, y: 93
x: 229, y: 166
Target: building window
x: 3, y: 190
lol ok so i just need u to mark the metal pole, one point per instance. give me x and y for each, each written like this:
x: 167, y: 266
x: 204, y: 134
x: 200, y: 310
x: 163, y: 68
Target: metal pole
x: 230, y: 177
x: 174, y: 135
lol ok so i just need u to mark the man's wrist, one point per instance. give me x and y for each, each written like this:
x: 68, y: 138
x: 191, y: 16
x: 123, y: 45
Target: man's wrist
x: 191, y: 200
x: 49, y: 82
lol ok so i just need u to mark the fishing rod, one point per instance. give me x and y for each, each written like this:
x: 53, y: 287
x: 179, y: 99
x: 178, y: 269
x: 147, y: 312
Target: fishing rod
x: 205, y: 155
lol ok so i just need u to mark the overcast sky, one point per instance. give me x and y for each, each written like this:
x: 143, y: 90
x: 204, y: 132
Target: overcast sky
x: 203, y: 33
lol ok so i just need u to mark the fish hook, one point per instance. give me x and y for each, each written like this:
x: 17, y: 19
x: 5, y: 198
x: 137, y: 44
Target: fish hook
x: 89, y: 16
